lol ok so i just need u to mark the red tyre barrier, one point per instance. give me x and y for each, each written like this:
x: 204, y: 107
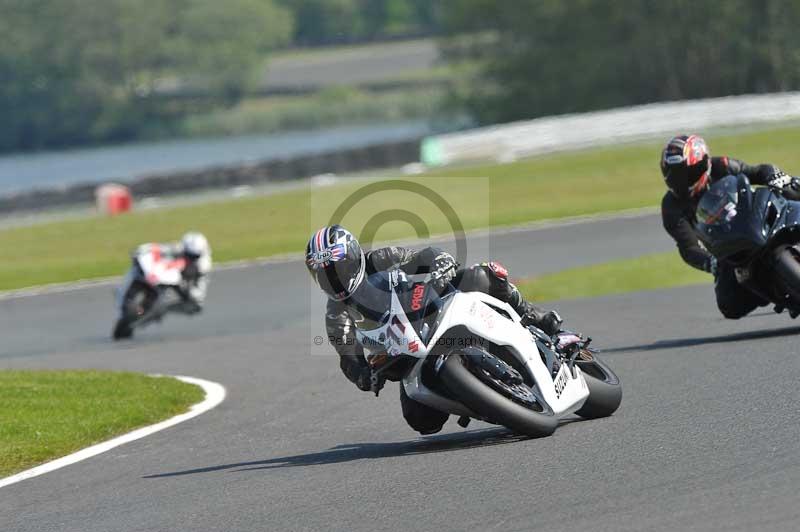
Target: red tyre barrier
x: 113, y: 199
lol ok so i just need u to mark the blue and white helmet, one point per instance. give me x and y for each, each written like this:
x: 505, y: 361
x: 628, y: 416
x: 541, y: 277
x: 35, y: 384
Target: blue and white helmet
x: 335, y: 260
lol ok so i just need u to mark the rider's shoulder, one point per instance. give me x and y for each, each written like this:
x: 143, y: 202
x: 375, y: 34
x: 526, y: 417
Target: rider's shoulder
x: 386, y: 258
x: 669, y: 202
x: 722, y: 166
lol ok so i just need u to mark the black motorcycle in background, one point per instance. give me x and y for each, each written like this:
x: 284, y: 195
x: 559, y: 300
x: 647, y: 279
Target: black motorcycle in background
x: 757, y: 231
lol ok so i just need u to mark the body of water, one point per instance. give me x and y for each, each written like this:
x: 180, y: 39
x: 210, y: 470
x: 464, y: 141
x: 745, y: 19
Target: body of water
x: 21, y: 172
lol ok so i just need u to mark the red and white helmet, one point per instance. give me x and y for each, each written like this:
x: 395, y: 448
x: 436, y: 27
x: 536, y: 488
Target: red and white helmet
x: 686, y: 166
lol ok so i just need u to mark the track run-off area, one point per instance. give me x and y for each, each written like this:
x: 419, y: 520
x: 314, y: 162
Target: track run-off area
x: 705, y: 438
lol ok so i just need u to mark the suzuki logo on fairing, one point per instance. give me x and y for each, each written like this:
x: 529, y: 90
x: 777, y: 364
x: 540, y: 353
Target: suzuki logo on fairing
x: 416, y: 296
x: 561, y: 383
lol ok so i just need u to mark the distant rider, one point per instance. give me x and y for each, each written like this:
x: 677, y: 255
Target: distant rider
x: 193, y: 256
x: 338, y: 265
x: 688, y: 171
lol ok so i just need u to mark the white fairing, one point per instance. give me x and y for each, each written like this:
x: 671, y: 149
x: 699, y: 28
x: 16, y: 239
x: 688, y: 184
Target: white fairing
x: 158, y: 271
x: 564, y: 394
x: 155, y: 270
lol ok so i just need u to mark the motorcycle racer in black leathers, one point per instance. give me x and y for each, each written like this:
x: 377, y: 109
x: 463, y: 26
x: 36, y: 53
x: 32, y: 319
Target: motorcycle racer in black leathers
x: 688, y: 170
x: 338, y: 265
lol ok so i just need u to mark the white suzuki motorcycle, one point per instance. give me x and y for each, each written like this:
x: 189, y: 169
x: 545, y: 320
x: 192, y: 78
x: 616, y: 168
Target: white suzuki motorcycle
x: 150, y: 288
x: 466, y: 353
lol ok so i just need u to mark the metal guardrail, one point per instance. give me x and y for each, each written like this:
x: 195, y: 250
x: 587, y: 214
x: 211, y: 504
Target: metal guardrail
x: 512, y: 141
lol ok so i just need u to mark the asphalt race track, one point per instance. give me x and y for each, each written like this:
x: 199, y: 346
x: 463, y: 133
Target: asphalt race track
x: 706, y: 438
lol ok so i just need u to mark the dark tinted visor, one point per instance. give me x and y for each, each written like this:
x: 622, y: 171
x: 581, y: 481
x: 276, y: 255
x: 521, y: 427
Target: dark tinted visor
x: 335, y: 278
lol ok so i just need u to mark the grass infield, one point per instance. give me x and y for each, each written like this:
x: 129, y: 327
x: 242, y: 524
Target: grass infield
x: 649, y: 272
x: 554, y: 186
x: 48, y: 414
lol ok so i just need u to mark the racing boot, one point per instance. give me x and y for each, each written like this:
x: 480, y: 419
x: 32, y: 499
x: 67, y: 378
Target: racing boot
x: 548, y: 321
x: 492, y: 278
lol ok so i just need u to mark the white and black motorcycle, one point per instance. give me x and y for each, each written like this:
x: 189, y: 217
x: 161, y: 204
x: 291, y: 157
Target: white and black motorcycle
x: 150, y: 289
x: 466, y: 353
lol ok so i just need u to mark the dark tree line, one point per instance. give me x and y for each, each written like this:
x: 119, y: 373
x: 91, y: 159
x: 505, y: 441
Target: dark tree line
x: 542, y: 57
x: 75, y: 72
x: 319, y: 22
x: 80, y: 71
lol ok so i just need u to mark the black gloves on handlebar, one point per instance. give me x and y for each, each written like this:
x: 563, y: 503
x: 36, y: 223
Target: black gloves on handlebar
x: 444, y: 268
x: 788, y: 186
x: 711, y: 266
x: 548, y: 321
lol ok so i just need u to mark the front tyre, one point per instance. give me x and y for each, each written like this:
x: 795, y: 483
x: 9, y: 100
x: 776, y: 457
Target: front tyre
x: 605, y: 389
x: 787, y: 269
x: 122, y: 330
x: 490, y: 404
x: 137, y: 301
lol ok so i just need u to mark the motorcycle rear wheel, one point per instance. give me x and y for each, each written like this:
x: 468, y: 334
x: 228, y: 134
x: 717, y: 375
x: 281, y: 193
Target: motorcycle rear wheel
x: 491, y: 405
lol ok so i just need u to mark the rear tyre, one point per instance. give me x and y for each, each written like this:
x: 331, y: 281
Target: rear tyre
x: 491, y: 405
x: 605, y: 390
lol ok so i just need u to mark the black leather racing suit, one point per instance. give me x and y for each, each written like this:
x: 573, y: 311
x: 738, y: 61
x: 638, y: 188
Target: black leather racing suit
x: 733, y: 300
x: 490, y: 278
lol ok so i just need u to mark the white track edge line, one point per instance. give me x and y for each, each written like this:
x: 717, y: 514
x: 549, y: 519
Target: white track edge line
x: 539, y: 225
x: 215, y: 394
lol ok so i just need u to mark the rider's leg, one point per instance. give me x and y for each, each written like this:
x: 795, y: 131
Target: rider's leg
x: 492, y: 278
x: 734, y: 300
x: 181, y: 302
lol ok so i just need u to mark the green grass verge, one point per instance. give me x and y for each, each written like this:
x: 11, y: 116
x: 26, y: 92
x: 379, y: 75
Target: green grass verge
x: 48, y: 414
x: 661, y: 270
x: 554, y: 186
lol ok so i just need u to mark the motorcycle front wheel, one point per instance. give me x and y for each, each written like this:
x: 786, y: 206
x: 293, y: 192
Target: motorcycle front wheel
x: 137, y: 300
x: 122, y: 330
x: 491, y: 405
x: 605, y: 389
x: 787, y: 269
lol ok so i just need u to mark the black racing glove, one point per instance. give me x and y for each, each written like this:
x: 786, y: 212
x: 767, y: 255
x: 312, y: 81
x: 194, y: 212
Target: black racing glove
x: 551, y: 322
x: 444, y: 268
x: 778, y: 178
x: 787, y: 185
x: 792, y: 190
x: 712, y: 266
x: 548, y: 321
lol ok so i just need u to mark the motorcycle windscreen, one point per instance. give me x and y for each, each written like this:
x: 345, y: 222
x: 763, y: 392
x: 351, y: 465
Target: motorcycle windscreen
x: 422, y: 304
x: 728, y: 222
x: 420, y: 301
x: 718, y: 205
x: 372, y: 301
